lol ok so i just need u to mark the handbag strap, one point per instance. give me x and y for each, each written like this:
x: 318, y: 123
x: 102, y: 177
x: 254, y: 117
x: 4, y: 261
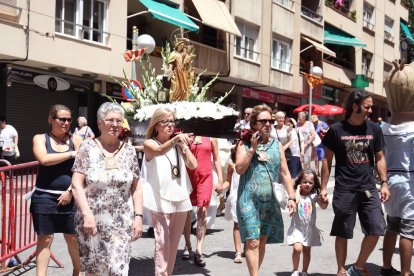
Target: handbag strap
x: 271, y: 178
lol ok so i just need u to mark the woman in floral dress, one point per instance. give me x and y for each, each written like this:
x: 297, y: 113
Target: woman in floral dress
x: 105, y: 177
x: 261, y: 161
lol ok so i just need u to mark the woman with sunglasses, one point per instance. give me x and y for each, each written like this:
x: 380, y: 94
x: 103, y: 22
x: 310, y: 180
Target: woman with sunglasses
x: 51, y: 205
x: 166, y: 185
x: 261, y: 161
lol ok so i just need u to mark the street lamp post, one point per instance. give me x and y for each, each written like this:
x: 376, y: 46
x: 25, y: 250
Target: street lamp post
x: 138, y: 42
x: 313, y: 78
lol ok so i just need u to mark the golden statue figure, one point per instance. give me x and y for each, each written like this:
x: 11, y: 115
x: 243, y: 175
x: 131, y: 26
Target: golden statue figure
x: 180, y: 86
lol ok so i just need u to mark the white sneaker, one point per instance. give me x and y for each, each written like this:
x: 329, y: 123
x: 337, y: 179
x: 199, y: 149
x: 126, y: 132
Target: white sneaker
x: 295, y: 273
x: 304, y: 274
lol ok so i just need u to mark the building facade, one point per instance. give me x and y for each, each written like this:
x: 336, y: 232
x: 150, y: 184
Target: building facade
x: 68, y: 51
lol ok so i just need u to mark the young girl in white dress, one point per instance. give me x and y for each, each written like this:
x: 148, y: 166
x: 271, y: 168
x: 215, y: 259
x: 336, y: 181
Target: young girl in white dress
x: 303, y: 233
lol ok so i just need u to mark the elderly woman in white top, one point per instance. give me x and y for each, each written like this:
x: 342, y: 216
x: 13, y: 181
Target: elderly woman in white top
x: 308, y: 131
x: 166, y: 185
x: 83, y: 130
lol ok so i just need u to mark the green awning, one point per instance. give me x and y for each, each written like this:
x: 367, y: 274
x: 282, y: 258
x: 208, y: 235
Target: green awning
x: 169, y: 14
x: 407, y: 32
x: 337, y: 37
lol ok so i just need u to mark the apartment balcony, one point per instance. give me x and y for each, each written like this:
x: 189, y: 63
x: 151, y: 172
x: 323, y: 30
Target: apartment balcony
x: 341, y: 17
x: 336, y: 74
x: 311, y: 24
x: 211, y: 58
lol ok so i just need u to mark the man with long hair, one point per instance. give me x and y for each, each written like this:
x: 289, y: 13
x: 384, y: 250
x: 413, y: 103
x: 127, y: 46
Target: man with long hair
x: 357, y: 145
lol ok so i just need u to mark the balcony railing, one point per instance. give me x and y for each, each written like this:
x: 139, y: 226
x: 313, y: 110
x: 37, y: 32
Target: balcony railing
x: 367, y: 73
x: 351, y: 14
x: 368, y: 25
x: 282, y: 65
x: 388, y: 37
x: 311, y: 14
x: 286, y: 3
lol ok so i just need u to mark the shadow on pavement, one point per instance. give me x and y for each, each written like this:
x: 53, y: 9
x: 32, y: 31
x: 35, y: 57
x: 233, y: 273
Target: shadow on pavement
x: 22, y: 270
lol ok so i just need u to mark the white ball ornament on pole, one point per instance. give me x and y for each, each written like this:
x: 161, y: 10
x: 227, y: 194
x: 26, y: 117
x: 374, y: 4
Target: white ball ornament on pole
x: 146, y: 41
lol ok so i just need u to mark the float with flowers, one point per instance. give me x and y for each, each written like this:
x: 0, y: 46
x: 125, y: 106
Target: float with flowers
x: 178, y: 90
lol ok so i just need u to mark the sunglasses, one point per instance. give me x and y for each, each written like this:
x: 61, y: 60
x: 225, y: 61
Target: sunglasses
x: 63, y: 120
x: 166, y: 122
x: 264, y: 121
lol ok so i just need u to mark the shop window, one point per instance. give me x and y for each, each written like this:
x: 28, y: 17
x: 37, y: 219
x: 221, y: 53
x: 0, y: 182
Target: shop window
x: 83, y: 19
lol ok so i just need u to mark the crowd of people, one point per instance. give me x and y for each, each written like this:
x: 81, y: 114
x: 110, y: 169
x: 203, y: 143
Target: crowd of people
x: 93, y: 190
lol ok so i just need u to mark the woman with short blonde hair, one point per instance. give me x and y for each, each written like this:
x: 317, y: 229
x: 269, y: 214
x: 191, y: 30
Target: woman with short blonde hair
x: 83, y: 130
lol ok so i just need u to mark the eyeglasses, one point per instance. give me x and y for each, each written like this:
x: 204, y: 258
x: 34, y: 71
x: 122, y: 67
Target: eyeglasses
x: 264, y: 121
x: 166, y: 122
x: 112, y: 121
x: 63, y: 120
x: 247, y: 113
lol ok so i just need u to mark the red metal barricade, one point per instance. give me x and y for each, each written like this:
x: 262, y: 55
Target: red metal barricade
x: 17, y: 233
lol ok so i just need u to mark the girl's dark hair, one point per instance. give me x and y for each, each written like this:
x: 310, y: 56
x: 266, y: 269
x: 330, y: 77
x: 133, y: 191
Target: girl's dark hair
x: 316, y: 183
x: 233, y: 155
x: 356, y: 97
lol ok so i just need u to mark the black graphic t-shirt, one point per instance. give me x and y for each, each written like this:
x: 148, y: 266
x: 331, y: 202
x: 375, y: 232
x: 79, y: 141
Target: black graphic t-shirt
x: 354, y: 148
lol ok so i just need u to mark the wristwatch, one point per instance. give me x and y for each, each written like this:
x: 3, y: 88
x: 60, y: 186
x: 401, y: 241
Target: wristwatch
x: 138, y: 215
x: 292, y: 198
x: 384, y: 181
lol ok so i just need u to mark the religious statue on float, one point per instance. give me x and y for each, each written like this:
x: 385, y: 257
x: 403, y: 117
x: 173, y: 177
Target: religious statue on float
x: 180, y: 70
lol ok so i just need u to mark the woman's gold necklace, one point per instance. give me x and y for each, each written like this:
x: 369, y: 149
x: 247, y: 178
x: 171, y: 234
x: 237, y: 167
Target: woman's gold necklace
x: 111, y: 162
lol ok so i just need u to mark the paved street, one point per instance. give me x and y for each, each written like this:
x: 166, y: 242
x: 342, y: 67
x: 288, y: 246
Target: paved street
x: 219, y: 251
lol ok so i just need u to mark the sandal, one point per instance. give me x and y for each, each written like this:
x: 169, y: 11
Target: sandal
x: 199, y: 260
x: 238, y: 258
x: 186, y: 253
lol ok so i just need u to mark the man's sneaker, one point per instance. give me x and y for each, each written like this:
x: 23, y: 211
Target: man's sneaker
x: 295, y: 273
x: 353, y: 271
x: 389, y: 272
x: 304, y: 274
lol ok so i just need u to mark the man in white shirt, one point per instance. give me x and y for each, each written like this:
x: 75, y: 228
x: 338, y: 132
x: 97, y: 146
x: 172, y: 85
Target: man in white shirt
x: 245, y: 123
x: 8, y: 141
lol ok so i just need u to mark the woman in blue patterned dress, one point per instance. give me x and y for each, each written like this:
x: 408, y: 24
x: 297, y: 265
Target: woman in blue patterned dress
x: 260, y: 161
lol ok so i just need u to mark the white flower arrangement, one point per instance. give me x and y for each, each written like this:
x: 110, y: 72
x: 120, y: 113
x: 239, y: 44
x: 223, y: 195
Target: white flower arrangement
x: 186, y: 110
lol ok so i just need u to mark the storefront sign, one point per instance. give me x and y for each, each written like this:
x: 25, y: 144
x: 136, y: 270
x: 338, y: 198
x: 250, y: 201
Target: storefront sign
x: 288, y: 100
x: 50, y: 82
x: 258, y: 95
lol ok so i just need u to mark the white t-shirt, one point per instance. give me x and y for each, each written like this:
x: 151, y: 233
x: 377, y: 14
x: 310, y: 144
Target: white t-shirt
x: 399, y: 155
x: 7, y: 136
